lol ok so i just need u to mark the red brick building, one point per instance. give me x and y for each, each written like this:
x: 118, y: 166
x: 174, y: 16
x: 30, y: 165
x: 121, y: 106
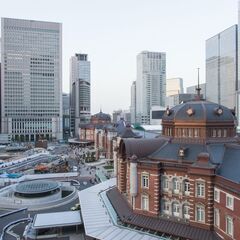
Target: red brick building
x: 185, y: 184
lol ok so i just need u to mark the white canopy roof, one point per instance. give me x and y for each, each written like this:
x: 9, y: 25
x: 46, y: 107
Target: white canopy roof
x: 99, y: 220
x: 57, y: 219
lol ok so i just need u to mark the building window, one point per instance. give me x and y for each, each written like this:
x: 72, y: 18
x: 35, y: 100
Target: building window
x: 187, y: 187
x: 200, y: 214
x: 176, y: 186
x: 145, y: 202
x: 224, y: 132
x: 186, y: 211
x: 229, y: 201
x: 216, y: 195
x: 216, y: 217
x: 175, y: 209
x: 219, y: 133
x: 214, y: 133
x: 165, y: 184
x: 229, y: 226
x: 145, y: 180
x: 196, y: 132
x: 165, y: 207
x: 200, y: 189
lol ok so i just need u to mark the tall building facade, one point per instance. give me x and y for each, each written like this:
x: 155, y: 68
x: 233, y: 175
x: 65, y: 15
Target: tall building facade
x: 174, y: 86
x: 150, y: 84
x: 80, y: 96
x: 31, y: 86
x: 66, y: 115
x: 222, y: 67
x: 133, y: 102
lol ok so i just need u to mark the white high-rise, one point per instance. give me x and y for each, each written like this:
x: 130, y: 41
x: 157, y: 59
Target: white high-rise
x: 133, y: 103
x: 31, y: 86
x: 80, y: 99
x: 174, y: 86
x: 150, y: 84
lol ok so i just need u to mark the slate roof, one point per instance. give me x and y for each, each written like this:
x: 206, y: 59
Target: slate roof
x: 177, y: 229
x: 230, y: 167
x: 143, y: 147
x: 203, y: 111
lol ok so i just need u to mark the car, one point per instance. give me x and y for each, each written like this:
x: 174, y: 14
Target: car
x: 76, y: 207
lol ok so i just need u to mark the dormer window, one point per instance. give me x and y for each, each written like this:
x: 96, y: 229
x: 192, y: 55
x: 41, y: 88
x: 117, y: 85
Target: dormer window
x: 190, y: 111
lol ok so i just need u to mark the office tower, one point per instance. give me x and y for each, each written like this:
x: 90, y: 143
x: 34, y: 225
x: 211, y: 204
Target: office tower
x: 221, y: 67
x: 192, y: 89
x: 31, y: 86
x: 150, y: 84
x: 133, y: 102
x: 80, y: 91
x: 66, y: 115
x: 174, y: 86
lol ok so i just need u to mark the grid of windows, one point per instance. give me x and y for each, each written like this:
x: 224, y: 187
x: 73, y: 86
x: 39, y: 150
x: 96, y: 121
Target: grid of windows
x: 31, y: 56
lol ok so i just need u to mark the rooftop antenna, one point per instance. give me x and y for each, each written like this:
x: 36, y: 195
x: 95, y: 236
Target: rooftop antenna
x: 198, y: 89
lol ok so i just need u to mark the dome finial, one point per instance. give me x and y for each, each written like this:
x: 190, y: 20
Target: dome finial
x: 198, y: 89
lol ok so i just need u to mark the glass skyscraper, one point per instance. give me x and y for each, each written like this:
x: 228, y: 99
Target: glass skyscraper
x: 31, y: 86
x: 222, y: 67
x: 80, y: 99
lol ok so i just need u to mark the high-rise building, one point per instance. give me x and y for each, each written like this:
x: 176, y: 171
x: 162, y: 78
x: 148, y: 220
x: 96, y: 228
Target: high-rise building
x: 150, y: 84
x: 133, y: 102
x: 80, y: 95
x: 174, y: 86
x: 192, y: 89
x: 221, y: 67
x: 66, y: 115
x: 31, y: 86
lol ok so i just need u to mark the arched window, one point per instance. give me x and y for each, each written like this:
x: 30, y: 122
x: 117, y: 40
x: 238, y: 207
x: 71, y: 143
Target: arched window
x: 175, y: 209
x: 176, y: 186
x: 165, y: 184
x: 165, y: 207
x: 186, y: 211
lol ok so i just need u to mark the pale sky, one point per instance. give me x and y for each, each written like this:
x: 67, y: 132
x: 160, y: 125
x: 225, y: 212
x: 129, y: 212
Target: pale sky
x: 113, y: 32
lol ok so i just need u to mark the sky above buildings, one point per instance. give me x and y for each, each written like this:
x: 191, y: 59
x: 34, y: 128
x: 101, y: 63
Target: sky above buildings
x: 113, y: 32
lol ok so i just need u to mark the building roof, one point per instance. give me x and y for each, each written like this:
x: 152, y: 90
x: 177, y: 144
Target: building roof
x: 36, y: 186
x: 160, y: 225
x: 142, y: 147
x: 231, y: 163
x: 102, y: 116
x: 202, y: 111
x: 100, y: 219
x: 57, y: 219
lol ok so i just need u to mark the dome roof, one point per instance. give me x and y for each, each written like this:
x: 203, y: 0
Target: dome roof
x: 102, y: 116
x: 199, y: 111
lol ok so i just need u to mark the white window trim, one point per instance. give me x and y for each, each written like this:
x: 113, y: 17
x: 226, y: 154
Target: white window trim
x: 217, y: 199
x: 142, y: 206
x: 203, y: 207
x: 228, y: 217
x: 232, y: 197
x: 217, y: 224
x: 204, y: 189
x: 144, y: 174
